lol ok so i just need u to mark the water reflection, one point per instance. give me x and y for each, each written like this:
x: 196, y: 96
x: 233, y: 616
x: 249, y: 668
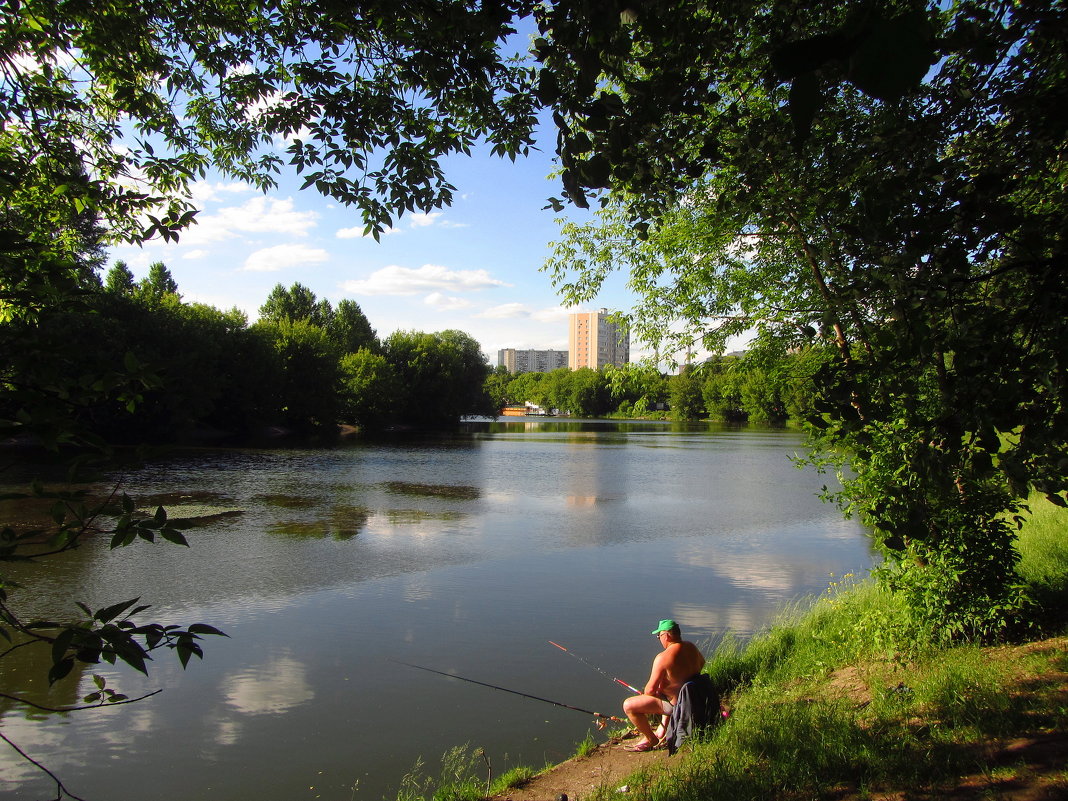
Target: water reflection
x: 340, y: 523
x: 466, y: 553
x: 271, y: 688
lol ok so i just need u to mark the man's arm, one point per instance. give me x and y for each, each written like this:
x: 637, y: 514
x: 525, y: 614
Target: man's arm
x: 658, y: 676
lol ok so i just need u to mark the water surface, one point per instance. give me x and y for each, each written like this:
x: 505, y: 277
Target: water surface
x: 464, y: 553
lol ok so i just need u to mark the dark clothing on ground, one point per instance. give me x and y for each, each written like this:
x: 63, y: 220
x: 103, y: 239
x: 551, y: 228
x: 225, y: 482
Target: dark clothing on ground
x: 696, y: 708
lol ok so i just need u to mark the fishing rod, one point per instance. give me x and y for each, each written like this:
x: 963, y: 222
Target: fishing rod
x: 583, y: 661
x: 514, y: 692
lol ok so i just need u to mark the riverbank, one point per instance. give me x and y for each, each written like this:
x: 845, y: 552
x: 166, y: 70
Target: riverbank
x: 843, y: 699
x: 1001, y: 735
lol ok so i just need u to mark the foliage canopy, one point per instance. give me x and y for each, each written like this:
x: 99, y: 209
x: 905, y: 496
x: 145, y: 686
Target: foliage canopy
x: 911, y: 215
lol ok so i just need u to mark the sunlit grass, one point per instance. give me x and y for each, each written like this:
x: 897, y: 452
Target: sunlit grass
x: 1043, y: 547
x: 586, y: 747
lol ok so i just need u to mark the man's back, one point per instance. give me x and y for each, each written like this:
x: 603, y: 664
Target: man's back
x: 680, y: 661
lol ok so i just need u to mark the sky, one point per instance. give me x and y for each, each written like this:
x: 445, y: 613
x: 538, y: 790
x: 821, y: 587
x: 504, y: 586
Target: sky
x: 474, y: 266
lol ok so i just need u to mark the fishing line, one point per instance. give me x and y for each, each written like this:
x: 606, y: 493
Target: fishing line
x: 513, y: 692
x: 587, y: 664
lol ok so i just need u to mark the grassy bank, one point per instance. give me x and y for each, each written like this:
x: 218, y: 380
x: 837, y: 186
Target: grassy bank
x: 844, y: 698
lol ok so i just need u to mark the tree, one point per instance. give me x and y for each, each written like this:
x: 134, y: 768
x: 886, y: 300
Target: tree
x: 309, y: 386
x: 443, y: 376
x: 527, y: 388
x: 371, y: 99
x: 295, y: 304
x: 635, y: 387
x: 590, y: 396
x: 497, y: 387
x: 684, y: 395
x: 369, y: 389
x: 157, y: 285
x: 722, y: 389
x: 883, y: 180
x: 351, y: 329
x: 119, y: 280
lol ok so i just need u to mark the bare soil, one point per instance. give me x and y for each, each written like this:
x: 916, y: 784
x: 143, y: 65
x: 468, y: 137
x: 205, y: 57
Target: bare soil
x: 1030, y: 767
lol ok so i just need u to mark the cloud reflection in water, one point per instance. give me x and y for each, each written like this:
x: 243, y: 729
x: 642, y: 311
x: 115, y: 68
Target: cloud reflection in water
x: 271, y: 688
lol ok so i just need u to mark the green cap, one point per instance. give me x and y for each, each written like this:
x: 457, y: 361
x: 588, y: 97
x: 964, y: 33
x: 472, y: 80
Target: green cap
x: 666, y: 624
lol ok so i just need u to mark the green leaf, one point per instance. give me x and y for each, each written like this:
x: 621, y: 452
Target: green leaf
x: 61, y: 644
x: 109, y: 613
x: 204, y: 628
x: 173, y: 535
x: 60, y: 670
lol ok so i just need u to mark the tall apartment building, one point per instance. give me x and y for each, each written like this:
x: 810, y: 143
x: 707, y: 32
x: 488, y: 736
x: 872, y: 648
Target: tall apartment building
x: 531, y: 361
x: 593, y: 341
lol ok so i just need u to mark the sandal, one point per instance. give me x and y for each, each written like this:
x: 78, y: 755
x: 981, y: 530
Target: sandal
x: 641, y: 747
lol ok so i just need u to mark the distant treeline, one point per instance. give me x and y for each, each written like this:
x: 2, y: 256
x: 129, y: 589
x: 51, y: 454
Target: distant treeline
x: 188, y: 369
x: 161, y: 369
x: 751, y: 387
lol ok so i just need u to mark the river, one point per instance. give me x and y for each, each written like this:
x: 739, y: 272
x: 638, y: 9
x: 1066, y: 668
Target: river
x: 465, y: 553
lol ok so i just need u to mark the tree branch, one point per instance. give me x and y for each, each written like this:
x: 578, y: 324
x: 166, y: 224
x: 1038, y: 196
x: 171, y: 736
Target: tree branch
x: 77, y: 708
x: 61, y: 789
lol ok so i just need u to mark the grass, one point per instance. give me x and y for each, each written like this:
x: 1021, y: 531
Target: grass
x: 840, y: 697
x: 586, y: 747
x: 1043, y: 550
x: 461, y: 779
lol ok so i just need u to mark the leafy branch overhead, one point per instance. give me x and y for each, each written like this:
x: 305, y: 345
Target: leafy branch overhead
x: 364, y: 101
x: 881, y: 178
x: 110, y: 633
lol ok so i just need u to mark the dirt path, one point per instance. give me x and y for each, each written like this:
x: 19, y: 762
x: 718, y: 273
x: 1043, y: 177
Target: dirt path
x: 608, y: 765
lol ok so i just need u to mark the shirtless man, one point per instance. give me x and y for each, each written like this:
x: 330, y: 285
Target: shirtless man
x: 679, y: 662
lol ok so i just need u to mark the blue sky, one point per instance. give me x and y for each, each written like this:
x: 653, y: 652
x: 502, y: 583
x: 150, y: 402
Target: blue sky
x: 474, y: 266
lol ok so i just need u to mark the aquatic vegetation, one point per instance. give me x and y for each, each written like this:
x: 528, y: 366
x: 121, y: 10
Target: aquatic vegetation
x: 289, y: 501
x: 462, y: 493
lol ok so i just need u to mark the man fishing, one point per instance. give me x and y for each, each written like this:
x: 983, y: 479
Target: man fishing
x: 678, y: 663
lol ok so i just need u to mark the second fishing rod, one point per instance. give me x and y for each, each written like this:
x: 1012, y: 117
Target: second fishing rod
x: 633, y: 689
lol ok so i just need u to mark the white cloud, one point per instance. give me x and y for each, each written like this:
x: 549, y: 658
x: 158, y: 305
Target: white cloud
x: 506, y: 311
x: 396, y: 280
x: 445, y: 302
x: 421, y: 219
x: 426, y: 219
x: 280, y: 257
x: 195, y: 254
x: 201, y: 192
x: 553, y: 314
x: 357, y: 232
x: 257, y: 215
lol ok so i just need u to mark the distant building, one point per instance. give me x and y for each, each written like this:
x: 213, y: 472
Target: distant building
x: 531, y: 361
x: 593, y: 341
